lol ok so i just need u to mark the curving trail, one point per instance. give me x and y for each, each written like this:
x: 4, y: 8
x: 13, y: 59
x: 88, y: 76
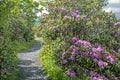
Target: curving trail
x: 29, y: 65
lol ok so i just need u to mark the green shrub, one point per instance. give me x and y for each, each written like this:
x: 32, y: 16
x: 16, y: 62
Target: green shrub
x: 85, y: 20
x: 47, y: 58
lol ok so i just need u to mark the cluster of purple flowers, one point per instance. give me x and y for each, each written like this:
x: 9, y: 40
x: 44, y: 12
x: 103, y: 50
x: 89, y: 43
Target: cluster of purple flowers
x: 96, y: 76
x: 94, y: 52
x: 75, y: 14
x: 4, y: 70
x: 71, y: 73
x: 61, y: 9
x: 117, y: 24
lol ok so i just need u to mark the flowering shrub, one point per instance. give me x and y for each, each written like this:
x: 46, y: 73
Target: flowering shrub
x: 93, y: 60
x: 85, y: 20
x: 77, y: 18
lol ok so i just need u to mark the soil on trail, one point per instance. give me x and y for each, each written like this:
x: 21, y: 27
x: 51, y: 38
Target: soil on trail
x: 29, y: 65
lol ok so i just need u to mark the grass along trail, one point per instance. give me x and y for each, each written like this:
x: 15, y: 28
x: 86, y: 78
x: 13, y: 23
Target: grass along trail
x: 29, y: 65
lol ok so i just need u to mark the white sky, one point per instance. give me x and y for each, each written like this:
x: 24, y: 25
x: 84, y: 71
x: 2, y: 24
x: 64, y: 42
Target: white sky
x: 111, y: 4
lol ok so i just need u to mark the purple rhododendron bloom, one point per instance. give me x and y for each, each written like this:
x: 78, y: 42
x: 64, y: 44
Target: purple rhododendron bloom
x: 93, y: 78
x: 99, y: 49
x: 62, y: 9
x: 117, y: 24
x: 100, y: 63
x: 66, y: 17
x: 72, y: 47
x: 74, y: 39
x: 95, y: 55
x: 74, y: 14
x: 69, y: 71
x: 87, y: 44
x: 105, y: 63
x: 73, y: 74
x: 105, y: 78
x: 85, y: 53
x: 78, y: 16
x: 72, y: 57
x: 63, y: 54
x: 95, y: 60
x: 77, y: 11
x: 79, y: 42
x: 93, y: 73
x: 85, y: 70
x: 119, y: 50
x: 75, y: 65
x: 110, y: 58
x: 4, y: 70
x: 74, y: 51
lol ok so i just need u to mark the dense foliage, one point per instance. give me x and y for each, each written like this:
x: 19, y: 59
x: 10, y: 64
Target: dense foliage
x: 17, y: 18
x: 86, y: 24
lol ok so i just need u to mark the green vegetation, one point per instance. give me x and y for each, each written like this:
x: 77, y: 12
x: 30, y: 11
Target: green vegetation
x: 81, y: 41
x: 17, y: 17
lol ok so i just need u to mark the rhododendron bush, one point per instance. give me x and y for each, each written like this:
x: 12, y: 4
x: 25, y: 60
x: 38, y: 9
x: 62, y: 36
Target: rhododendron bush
x: 90, y: 36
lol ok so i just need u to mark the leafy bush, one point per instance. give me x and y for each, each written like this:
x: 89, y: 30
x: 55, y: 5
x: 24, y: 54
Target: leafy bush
x: 80, y: 57
x: 16, y: 21
x: 85, y: 20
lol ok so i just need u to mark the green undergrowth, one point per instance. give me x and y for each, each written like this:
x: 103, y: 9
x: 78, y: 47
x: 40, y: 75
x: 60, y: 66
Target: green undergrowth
x: 54, y: 71
x: 21, y: 46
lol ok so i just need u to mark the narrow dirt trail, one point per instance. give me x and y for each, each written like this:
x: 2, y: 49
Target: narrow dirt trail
x: 29, y: 65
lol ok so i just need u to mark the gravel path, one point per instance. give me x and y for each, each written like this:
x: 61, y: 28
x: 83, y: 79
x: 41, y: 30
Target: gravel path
x: 29, y: 65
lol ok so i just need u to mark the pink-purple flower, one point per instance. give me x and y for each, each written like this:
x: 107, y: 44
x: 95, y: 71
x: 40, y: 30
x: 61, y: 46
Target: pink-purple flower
x: 71, y: 73
x: 74, y: 39
x: 110, y: 58
x: 74, y: 14
x: 117, y: 24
